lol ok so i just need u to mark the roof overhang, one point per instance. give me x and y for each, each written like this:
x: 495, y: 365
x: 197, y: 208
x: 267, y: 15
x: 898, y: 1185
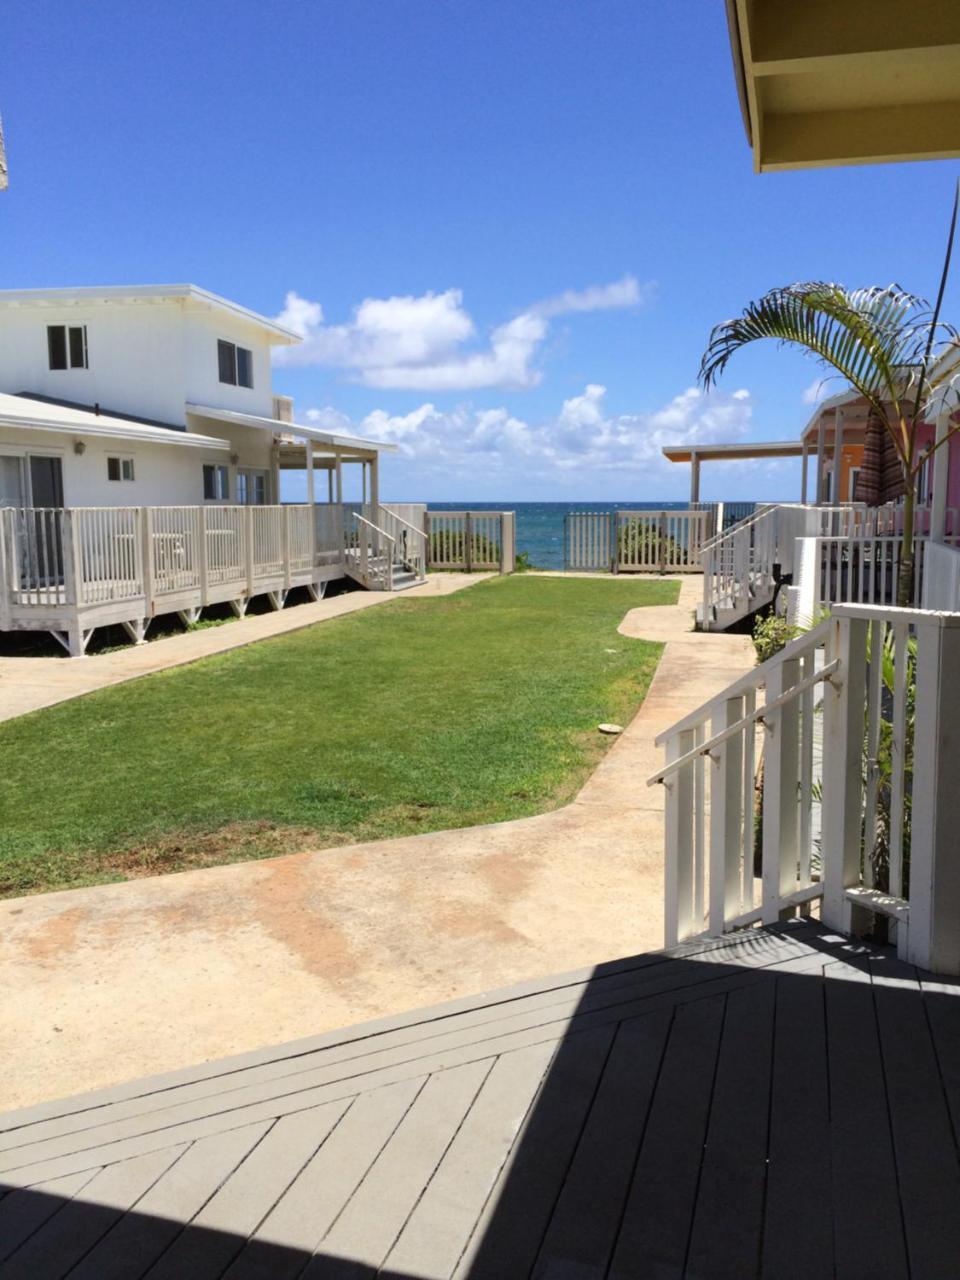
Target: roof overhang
x: 190, y: 296
x: 36, y: 416
x: 732, y: 452
x: 292, y: 433
x: 829, y: 82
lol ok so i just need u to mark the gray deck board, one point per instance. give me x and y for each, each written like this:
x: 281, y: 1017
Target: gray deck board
x: 774, y: 1104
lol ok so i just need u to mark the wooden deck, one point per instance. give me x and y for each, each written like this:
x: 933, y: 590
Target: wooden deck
x: 777, y: 1103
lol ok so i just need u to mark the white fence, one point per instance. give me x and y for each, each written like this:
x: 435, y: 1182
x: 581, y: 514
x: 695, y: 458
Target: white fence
x: 636, y: 541
x: 856, y: 806
x: 472, y: 540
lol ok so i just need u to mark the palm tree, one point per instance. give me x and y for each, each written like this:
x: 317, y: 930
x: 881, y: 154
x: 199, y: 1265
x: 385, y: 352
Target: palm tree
x: 883, y: 341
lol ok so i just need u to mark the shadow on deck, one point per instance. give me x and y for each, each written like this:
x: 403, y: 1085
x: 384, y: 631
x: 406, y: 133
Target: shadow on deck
x: 775, y: 1104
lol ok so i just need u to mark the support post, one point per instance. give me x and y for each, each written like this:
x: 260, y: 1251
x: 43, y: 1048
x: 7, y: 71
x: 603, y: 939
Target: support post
x: 678, y: 839
x: 726, y: 798
x: 311, y: 495
x: 375, y: 485
x: 694, y: 478
x: 338, y: 472
x: 843, y: 703
x: 837, y: 494
x: 818, y: 477
x: 941, y: 471
x: 781, y: 776
x: 146, y: 557
x: 933, y: 936
x: 804, y: 459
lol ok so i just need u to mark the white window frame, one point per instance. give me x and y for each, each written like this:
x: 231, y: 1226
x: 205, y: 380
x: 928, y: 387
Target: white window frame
x: 126, y: 468
x: 247, y: 480
x: 221, y: 476
x: 67, y: 328
x: 235, y: 348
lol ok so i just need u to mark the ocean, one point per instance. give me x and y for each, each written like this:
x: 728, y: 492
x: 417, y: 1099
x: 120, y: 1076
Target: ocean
x: 540, y: 524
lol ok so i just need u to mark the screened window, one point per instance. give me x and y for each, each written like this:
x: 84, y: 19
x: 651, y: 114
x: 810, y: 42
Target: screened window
x: 235, y: 364
x: 119, y: 468
x: 67, y: 346
x: 216, y: 483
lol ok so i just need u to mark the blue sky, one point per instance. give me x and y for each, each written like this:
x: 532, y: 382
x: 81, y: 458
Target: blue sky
x: 506, y: 228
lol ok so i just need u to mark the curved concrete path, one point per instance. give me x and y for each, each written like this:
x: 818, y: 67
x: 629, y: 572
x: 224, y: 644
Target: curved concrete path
x: 150, y: 975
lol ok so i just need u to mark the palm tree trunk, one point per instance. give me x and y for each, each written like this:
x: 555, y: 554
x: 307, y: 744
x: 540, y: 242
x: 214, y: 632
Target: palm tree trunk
x: 905, y: 575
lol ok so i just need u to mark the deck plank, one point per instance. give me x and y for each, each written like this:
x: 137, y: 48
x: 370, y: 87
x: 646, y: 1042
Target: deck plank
x: 926, y: 1154
x: 585, y: 1220
x: 363, y: 1235
x: 434, y: 1237
x: 219, y: 1231
x: 313, y: 1202
x: 64, y: 1239
x: 868, y: 1225
x: 797, y: 1235
x: 508, y: 1234
x: 728, y: 1216
x: 136, y: 1242
x: 23, y: 1212
x: 655, y: 1231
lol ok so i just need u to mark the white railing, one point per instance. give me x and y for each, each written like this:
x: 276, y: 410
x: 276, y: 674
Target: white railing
x: 738, y: 564
x: 855, y: 806
x: 369, y: 553
x: 410, y: 543
x: 850, y: 570
x: 471, y: 540
x: 661, y: 541
x: 636, y: 541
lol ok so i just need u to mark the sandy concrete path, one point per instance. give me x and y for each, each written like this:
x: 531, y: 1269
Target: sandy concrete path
x: 26, y: 684
x: 110, y: 983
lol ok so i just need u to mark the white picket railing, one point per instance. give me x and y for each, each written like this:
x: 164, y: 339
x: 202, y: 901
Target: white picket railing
x: 854, y: 724
x: 369, y: 553
x: 410, y: 543
x: 471, y: 540
x: 638, y: 541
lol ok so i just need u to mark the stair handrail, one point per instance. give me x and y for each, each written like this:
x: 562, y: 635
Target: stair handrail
x: 364, y: 549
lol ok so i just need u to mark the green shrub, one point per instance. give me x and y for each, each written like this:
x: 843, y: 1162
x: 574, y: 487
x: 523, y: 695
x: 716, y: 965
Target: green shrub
x: 771, y: 633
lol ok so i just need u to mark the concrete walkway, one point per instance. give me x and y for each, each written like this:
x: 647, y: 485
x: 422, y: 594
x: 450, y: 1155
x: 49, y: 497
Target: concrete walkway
x: 151, y: 975
x: 27, y: 684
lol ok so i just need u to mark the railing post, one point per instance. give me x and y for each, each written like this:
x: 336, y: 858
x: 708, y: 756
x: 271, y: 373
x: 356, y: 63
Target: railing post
x: 72, y: 558
x: 203, y: 558
x: 428, y: 549
x: 662, y: 541
x: 933, y: 936
x: 781, y: 781
x: 844, y: 698
x: 468, y: 541
x: 726, y: 796
x: 7, y: 567
x: 146, y: 558
x: 678, y: 835
x: 248, y: 546
x: 285, y: 545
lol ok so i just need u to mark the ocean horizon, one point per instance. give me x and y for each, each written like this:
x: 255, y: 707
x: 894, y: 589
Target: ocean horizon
x: 540, y: 524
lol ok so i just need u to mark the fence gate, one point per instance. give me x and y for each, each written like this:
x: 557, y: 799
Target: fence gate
x: 588, y: 541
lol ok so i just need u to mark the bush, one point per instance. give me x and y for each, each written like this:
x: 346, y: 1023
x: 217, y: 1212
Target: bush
x: 771, y: 633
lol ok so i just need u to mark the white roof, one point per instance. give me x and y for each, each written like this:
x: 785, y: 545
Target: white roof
x: 333, y: 439
x: 40, y: 415
x: 93, y: 294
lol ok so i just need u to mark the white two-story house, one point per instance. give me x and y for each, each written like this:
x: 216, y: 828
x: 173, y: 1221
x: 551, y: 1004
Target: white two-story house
x: 141, y: 449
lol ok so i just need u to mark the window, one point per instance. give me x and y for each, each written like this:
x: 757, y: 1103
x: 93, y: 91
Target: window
x: 235, y: 364
x: 251, y: 488
x: 119, y: 468
x: 216, y: 483
x: 67, y: 346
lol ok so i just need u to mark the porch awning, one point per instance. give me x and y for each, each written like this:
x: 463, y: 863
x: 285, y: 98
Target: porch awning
x: 41, y: 415
x: 294, y: 432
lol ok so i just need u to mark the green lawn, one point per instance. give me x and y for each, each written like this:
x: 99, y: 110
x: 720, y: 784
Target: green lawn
x: 414, y: 716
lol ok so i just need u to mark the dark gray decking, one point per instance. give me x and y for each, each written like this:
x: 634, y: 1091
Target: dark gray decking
x: 774, y: 1105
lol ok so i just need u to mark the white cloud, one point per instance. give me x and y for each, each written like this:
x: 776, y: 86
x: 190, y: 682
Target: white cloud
x: 472, y: 447
x: 816, y: 392
x: 420, y: 343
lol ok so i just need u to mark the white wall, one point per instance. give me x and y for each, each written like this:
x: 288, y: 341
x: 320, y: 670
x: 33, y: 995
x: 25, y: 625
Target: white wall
x: 135, y: 354
x: 145, y: 358
x: 202, y: 385
x: 165, y: 475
